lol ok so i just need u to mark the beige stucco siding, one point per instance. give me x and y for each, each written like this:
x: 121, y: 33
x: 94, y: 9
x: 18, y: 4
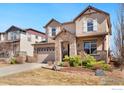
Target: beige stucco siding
x: 49, y: 30
x: 2, y: 37
x: 25, y: 46
x: 82, y: 21
x: 70, y: 27
x: 53, y: 25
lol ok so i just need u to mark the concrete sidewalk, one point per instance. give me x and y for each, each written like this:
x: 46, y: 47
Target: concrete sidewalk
x: 4, y: 71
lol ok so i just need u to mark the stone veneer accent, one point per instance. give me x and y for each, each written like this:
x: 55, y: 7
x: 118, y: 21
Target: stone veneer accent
x: 65, y: 36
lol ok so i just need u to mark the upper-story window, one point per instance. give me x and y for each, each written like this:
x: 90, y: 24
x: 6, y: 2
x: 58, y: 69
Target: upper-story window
x: 13, y: 35
x: 53, y: 31
x: 29, y: 37
x: 36, y: 37
x: 90, y: 25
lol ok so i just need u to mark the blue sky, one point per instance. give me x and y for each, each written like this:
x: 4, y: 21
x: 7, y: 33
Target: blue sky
x: 37, y: 15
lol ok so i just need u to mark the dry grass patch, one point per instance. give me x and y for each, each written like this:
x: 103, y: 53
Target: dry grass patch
x: 4, y: 64
x: 116, y: 77
x: 48, y: 77
x: 72, y: 76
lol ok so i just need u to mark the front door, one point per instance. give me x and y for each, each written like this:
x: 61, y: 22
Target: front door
x: 65, y: 49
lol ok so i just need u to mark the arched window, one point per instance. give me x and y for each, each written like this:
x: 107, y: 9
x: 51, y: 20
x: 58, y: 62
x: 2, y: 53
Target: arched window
x: 53, y: 31
x: 89, y: 25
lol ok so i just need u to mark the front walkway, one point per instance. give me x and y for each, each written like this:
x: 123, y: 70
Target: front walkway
x: 4, y: 71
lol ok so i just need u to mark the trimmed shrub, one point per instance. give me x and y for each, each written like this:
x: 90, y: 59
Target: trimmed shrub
x: 90, y: 62
x: 66, y: 58
x: 13, y: 61
x: 87, y: 61
x: 107, y: 67
x: 73, y: 60
x: 97, y: 65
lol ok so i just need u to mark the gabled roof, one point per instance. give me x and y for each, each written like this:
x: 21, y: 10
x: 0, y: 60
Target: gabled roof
x: 69, y: 22
x: 90, y: 7
x: 14, y: 28
x: 51, y: 21
x: 35, y: 30
x: 63, y: 30
x: 2, y: 32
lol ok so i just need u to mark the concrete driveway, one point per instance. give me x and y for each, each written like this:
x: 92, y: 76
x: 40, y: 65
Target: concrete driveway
x: 4, y: 71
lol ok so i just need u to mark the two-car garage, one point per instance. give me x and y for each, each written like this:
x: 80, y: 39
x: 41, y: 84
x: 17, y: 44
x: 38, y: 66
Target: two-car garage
x: 44, y: 52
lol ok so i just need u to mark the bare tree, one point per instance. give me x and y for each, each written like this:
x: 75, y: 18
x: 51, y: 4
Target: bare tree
x: 118, y: 35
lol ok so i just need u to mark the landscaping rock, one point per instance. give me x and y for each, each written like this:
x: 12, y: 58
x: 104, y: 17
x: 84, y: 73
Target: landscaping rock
x: 99, y: 72
x: 50, y: 63
x: 20, y: 59
x: 56, y: 68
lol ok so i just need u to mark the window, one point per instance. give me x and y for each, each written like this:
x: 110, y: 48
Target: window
x: 53, y: 31
x: 36, y: 37
x: 29, y: 37
x: 13, y: 36
x: 89, y: 25
x: 90, y: 47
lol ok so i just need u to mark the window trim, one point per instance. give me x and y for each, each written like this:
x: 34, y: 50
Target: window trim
x: 91, y: 42
x: 52, y: 31
x: 90, y: 19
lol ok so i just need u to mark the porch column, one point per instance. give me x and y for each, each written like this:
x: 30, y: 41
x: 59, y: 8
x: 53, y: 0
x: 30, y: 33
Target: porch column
x: 73, y: 48
x: 58, y: 51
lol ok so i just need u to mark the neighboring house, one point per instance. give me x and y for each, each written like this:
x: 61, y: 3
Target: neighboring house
x: 19, y: 41
x: 89, y: 32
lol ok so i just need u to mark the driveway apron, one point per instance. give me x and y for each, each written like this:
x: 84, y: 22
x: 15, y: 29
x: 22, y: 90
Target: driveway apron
x: 4, y: 71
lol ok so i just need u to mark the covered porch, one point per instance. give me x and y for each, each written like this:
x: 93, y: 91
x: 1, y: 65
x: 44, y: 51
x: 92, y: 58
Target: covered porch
x: 93, y: 45
x: 65, y: 44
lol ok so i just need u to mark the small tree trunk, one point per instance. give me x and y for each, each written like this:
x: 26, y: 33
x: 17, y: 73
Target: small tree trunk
x: 121, y: 67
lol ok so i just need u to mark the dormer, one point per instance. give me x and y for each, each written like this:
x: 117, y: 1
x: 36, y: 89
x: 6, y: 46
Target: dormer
x: 53, y: 27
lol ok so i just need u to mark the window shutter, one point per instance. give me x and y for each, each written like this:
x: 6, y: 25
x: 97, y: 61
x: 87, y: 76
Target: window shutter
x: 49, y: 31
x: 95, y: 25
x: 85, y: 25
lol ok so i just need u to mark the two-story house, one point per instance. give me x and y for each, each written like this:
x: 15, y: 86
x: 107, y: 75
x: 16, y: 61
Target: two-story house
x: 19, y: 41
x: 89, y: 32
